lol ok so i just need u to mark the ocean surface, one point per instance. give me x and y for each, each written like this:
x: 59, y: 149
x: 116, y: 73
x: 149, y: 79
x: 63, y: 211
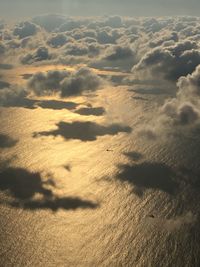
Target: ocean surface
x: 80, y: 186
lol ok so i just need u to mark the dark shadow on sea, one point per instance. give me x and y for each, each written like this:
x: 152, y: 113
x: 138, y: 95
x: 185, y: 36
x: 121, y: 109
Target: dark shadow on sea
x: 23, y: 185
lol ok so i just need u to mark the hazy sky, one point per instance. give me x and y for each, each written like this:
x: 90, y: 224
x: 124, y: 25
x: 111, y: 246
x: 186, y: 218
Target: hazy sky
x: 18, y: 8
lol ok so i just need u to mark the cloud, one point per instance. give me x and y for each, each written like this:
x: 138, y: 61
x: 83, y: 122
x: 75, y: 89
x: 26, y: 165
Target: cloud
x: 114, y: 22
x: 42, y: 53
x: 116, y: 57
x: 65, y: 83
x: 25, y: 29
x: 169, y: 63
x: 70, y: 25
x: 57, y: 40
x: 50, y: 21
x: 184, y: 109
x: 83, y: 80
x: 12, y: 95
x: 47, y: 83
x: 2, y: 48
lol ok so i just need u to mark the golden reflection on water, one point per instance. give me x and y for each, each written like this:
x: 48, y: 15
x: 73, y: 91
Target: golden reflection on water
x: 113, y: 233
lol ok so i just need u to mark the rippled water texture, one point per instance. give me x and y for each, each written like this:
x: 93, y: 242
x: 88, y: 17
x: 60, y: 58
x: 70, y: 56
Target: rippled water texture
x: 80, y: 187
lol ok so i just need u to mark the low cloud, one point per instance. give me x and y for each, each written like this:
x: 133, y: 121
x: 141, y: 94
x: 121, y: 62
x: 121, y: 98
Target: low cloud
x: 84, y: 80
x: 41, y: 54
x: 47, y: 83
x: 25, y: 29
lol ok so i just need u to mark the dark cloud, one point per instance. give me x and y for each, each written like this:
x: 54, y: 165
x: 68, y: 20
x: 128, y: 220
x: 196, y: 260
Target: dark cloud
x: 13, y: 94
x: 84, y: 80
x: 46, y: 83
x: 25, y: 29
x: 49, y: 22
x: 2, y: 48
x: 42, y: 53
x: 170, y: 62
x: 119, y: 53
x: 114, y: 22
x: 57, y: 40
x: 4, y: 84
x: 65, y: 83
x: 84, y: 131
x: 117, y: 57
x: 70, y: 25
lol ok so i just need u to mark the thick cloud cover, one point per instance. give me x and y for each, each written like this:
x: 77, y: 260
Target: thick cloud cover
x: 160, y: 54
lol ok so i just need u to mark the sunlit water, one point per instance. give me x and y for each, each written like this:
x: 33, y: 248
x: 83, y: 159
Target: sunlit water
x: 125, y: 218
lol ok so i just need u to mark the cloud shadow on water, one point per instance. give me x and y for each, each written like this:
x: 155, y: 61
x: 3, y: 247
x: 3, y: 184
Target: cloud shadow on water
x: 23, y: 185
x: 6, y: 141
x: 98, y: 111
x: 4, y: 66
x: 149, y: 175
x: 84, y: 131
x: 57, y: 105
x: 135, y: 156
x: 149, y: 91
x: 45, y: 104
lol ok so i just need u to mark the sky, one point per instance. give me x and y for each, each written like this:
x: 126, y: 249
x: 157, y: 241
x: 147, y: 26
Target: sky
x: 25, y: 8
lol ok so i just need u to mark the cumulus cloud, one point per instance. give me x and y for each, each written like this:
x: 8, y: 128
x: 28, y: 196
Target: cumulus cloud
x: 25, y: 29
x: 42, y: 53
x: 46, y: 83
x: 12, y: 95
x: 65, y: 83
x: 84, y: 80
x: 50, y: 21
x: 184, y: 109
x: 2, y: 48
x: 57, y: 40
x: 117, y: 57
x: 169, y: 63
